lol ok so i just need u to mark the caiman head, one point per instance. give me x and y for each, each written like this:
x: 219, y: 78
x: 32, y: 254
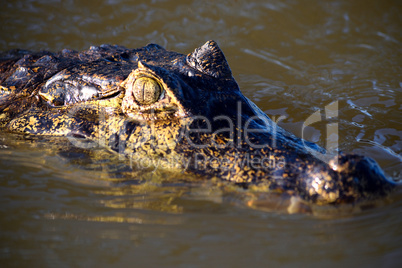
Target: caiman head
x: 187, y: 113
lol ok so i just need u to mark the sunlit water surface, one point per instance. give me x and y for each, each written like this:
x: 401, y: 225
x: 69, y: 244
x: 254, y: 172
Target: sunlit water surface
x: 77, y: 208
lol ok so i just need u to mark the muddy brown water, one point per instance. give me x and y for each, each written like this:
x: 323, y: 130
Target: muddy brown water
x: 63, y: 208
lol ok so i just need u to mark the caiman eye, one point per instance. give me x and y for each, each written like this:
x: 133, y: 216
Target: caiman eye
x: 146, y: 90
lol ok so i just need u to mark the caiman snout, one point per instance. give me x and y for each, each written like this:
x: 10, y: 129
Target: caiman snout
x: 363, y: 175
x: 349, y: 178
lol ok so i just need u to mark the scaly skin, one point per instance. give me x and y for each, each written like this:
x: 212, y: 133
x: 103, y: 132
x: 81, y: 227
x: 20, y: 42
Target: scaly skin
x: 180, y: 112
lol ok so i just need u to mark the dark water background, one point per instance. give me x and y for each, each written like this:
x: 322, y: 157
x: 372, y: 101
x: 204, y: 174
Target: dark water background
x: 290, y: 57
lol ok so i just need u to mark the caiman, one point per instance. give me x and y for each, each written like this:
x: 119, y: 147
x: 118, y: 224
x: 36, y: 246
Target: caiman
x: 181, y: 112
